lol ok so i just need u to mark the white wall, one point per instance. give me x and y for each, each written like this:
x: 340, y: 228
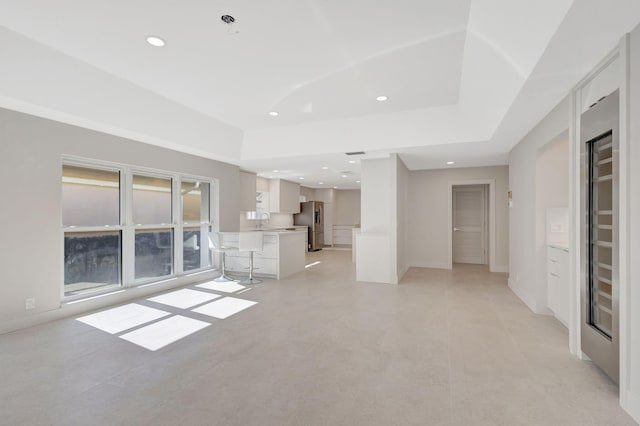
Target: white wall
x: 376, y: 196
x: 402, y: 228
x: 380, y: 251
x: 552, y: 190
x: 30, y: 157
x: 347, y: 207
x: 428, y: 210
x: 522, y: 215
x: 43, y: 81
x: 373, y: 253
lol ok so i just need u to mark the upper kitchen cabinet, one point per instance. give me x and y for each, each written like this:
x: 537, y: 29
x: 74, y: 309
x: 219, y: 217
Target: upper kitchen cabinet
x: 284, y: 196
x: 247, y: 192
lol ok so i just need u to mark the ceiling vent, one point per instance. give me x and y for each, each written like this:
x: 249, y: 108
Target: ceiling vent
x: 355, y: 153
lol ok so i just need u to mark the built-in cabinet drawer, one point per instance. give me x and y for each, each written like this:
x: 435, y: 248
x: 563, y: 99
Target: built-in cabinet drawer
x: 558, y: 288
x: 342, y: 235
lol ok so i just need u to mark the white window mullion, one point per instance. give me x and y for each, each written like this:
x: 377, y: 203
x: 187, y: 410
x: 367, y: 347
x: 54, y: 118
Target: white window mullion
x: 128, y: 229
x: 177, y: 228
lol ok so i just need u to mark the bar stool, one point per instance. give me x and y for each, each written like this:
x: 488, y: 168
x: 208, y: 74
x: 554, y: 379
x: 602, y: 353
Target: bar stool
x: 215, y: 244
x: 251, y: 241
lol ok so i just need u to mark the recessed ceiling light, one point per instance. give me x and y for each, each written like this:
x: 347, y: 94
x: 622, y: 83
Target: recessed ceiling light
x: 335, y: 187
x: 352, y: 161
x: 451, y: 162
x: 276, y: 171
x: 325, y: 168
x: 344, y: 175
x: 320, y: 183
x: 274, y: 113
x: 357, y: 181
x: 381, y: 98
x: 156, y: 41
x: 301, y: 178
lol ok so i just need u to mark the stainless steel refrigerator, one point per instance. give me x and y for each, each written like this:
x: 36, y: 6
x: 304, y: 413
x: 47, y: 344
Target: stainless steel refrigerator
x: 312, y: 215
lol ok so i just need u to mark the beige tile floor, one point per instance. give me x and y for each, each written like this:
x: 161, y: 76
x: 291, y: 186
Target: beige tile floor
x: 442, y: 348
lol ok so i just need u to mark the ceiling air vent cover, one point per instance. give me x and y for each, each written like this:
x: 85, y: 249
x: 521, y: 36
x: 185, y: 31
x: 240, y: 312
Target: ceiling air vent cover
x: 355, y: 153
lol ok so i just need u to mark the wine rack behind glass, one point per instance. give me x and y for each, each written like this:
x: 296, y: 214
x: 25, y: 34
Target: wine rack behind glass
x: 600, y: 233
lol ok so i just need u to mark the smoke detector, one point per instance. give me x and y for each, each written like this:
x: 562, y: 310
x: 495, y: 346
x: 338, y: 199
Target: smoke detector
x: 228, y: 19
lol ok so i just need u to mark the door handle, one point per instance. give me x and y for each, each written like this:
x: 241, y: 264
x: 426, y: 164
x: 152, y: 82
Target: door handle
x: 456, y: 229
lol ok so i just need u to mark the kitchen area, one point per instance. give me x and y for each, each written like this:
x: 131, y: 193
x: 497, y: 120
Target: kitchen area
x: 294, y: 220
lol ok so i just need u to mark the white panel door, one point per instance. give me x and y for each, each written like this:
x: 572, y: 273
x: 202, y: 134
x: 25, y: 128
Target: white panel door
x: 469, y: 222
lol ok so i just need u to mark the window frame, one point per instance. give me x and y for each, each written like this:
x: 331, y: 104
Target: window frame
x: 72, y: 229
x: 127, y: 227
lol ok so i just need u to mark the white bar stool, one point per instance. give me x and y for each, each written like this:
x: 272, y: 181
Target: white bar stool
x: 215, y: 243
x: 251, y: 241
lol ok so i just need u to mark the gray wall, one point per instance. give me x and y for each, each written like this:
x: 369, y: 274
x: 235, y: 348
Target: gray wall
x: 428, y: 211
x: 552, y: 190
x: 522, y: 215
x: 347, y: 207
x: 30, y: 154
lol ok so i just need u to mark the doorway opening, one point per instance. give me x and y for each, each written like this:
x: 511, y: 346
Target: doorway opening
x: 470, y: 219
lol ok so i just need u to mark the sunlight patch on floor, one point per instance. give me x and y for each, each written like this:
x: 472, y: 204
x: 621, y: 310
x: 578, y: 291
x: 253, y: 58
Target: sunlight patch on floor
x: 165, y: 332
x: 229, y: 287
x: 122, y: 318
x: 184, y: 299
x: 224, y: 308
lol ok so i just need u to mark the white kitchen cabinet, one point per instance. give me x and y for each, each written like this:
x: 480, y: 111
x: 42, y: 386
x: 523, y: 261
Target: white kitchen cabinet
x: 283, y: 254
x: 247, y: 192
x: 558, y: 290
x: 284, y: 196
x: 342, y: 235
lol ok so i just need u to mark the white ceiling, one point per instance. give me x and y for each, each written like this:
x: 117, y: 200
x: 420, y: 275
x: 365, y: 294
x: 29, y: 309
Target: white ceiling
x: 466, y: 79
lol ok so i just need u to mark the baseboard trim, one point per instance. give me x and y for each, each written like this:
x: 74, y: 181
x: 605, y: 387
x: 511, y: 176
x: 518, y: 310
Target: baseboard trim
x: 402, y: 272
x: 66, y: 309
x: 632, y: 405
x: 522, y: 296
x: 501, y: 268
x: 430, y: 265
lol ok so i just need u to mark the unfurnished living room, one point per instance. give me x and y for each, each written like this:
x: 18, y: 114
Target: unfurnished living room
x: 320, y: 212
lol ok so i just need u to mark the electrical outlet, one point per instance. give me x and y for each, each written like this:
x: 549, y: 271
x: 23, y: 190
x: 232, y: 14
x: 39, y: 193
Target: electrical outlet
x: 29, y: 303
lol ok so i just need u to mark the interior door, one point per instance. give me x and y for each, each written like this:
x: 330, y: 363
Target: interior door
x: 469, y: 224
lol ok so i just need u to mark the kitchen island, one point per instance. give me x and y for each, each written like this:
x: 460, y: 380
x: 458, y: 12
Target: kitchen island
x: 283, y: 254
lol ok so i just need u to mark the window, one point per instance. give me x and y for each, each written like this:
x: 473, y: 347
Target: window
x: 124, y: 226
x: 196, y: 220
x: 90, y: 197
x: 153, y: 226
x: 92, y: 236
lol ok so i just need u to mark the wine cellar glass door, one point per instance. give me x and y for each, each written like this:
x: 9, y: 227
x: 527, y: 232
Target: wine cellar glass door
x: 599, y: 258
x: 600, y: 245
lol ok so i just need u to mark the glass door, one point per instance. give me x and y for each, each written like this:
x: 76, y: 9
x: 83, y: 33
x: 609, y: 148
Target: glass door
x: 600, y: 237
x: 599, y: 133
